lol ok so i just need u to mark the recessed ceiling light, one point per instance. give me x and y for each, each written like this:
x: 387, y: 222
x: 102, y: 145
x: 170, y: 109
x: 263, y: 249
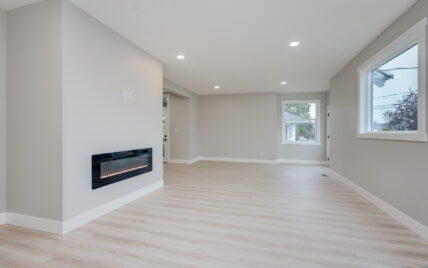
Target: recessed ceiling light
x: 180, y: 57
x: 294, y: 44
x: 216, y: 87
x: 283, y: 83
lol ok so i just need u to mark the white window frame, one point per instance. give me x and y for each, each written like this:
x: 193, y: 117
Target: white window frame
x: 413, y: 36
x: 317, y: 123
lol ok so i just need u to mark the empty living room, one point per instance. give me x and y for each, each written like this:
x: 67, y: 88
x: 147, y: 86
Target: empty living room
x: 214, y: 133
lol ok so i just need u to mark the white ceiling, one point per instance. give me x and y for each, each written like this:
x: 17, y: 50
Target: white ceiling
x: 11, y: 4
x: 242, y: 45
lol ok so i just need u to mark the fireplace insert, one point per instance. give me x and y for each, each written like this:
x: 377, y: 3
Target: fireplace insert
x: 113, y: 167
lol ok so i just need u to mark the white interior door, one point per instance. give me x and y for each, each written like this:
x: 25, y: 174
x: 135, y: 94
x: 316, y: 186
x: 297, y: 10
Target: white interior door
x: 165, y: 136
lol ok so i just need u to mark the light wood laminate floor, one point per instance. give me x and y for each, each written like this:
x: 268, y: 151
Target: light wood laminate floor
x: 220, y: 215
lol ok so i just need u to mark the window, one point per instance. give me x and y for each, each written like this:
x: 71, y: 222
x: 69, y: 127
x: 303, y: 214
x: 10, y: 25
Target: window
x: 395, y: 93
x: 300, y: 122
x: 392, y: 90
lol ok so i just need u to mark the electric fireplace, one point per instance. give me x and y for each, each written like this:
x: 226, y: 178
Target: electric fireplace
x: 113, y: 167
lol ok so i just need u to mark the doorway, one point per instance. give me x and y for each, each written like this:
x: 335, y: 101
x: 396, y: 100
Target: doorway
x: 165, y: 123
x: 328, y: 134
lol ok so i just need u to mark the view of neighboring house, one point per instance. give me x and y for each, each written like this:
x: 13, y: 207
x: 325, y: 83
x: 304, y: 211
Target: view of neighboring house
x: 293, y: 121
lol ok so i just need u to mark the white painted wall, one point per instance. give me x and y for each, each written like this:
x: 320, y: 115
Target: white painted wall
x: 394, y: 171
x: 238, y: 126
x: 2, y: 111
x: 98, y: 65
x: 34, y: 110
x: 304, y: 152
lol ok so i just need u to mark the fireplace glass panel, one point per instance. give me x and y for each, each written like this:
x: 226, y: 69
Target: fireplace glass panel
x: 110, y: 168
x: 120, y: 166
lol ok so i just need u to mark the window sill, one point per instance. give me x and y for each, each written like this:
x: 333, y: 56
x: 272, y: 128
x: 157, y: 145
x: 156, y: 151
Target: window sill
x: 302, y: 143
x: 415, y: 137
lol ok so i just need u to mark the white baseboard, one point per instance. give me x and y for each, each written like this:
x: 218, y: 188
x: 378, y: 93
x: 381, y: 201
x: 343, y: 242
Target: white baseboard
x: 397, y: 214
x: 302, y: 162
x: 247, y: 160
x: 2, y: 218
x: 184, y: 161
x: 63, y: 227
x: 238, y: 160
x: 40, y: 224
x: 88, y: 216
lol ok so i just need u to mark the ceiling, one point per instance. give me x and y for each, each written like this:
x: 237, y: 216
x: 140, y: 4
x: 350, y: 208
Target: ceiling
x: 11, y: 4
x: 243, y: 45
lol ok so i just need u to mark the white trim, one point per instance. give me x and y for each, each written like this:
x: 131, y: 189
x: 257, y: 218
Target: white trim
x: 183, y: 161
x: 36, y: 223
x: 414, y: 36
x: 397, y: 136
x: 90, y: 215
x: 302, y: 162
x: 395, y: 213
x: 238, y: 160
x: 63, y: 227
x: 301, y: 143
x: 2, y: 218
x: 328, y: 135
x: 248, y: 160
x: 168, y: 134
x: 317, y: 141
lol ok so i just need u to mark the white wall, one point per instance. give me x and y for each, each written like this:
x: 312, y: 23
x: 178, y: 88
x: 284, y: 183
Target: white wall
x: 304, y: 152
x: 98, y: 66
x: 238, y: 126
x: 2, y: 111
x: 34, y: 117
x: 395, y: 171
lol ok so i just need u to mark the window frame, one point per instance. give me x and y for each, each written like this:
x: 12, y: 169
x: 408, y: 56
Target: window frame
x: 414, y: 36
x: 317, y: 123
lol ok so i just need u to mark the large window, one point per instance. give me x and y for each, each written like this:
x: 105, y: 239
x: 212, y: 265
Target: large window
x: 395, y: 93
x: 392, y: 90
x: 300, y: 122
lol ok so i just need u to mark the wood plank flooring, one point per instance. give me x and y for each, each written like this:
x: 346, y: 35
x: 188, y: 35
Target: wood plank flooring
x: 213, y: 214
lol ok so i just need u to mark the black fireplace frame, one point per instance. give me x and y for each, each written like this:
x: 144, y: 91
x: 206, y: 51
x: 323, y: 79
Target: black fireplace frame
x: 97, y: 182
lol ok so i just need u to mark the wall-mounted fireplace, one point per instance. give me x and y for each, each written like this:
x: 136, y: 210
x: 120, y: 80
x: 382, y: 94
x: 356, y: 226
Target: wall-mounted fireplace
x: 113, y: 167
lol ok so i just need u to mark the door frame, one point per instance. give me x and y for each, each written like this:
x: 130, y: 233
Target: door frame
x: 167, y: 156
x: 328, y: 135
